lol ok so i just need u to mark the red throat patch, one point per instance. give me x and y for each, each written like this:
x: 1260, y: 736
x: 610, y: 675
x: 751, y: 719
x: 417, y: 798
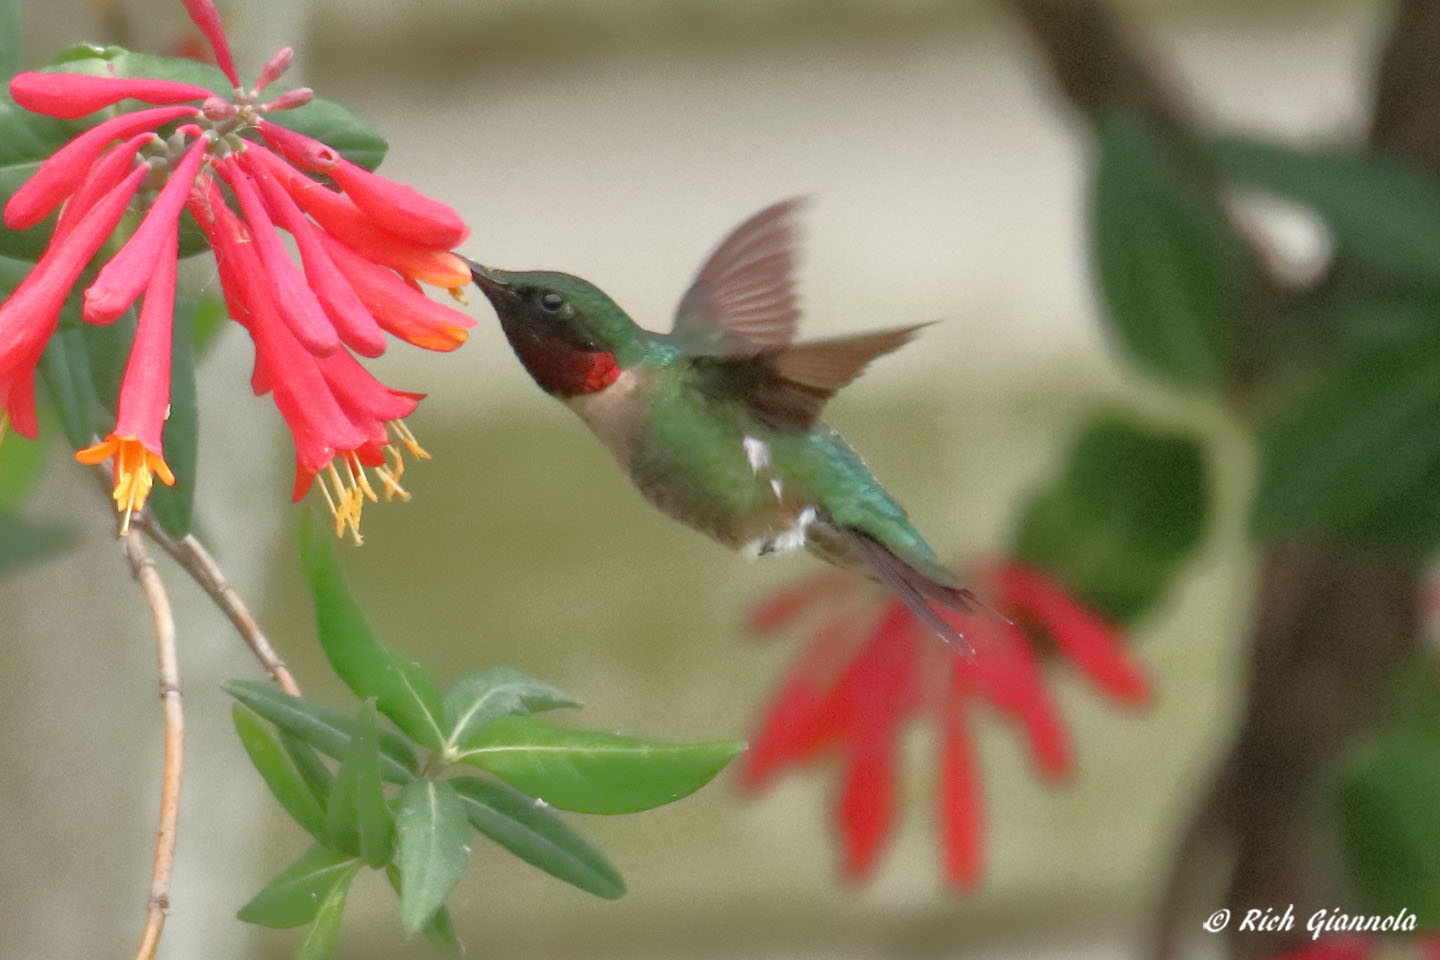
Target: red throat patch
x: 601, y: 372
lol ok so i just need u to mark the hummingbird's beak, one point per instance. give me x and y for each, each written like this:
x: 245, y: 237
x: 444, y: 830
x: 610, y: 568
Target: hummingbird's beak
x: 487, y: 282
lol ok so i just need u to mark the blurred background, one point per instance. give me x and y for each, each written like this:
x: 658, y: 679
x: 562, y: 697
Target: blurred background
x: 619, y: 141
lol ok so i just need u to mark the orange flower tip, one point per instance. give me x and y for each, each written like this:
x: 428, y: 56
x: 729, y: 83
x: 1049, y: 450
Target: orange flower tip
x: 458, y: 293
x: 136, y: 468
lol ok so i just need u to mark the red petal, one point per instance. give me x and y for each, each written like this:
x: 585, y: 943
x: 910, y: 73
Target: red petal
x: 356, y: 327
x: 1331, y: 948
x: 962, y: 826
x: 368, y: 402
x: 208, y: 20
x: 1009, y: 676
x: 296, y: 301
x: 403, y: 211
x: 145, y: 390
x: 121, y: 280
x: 348, y: 224
x: 21, y: 400
x: 274, y: 68
x: 104, y: 174
x: 1096, y: 648
x: 71, y: 95
x: 58, y: 177
x: 411, y: 316
x: 867, y: 808
x: 790, y: 731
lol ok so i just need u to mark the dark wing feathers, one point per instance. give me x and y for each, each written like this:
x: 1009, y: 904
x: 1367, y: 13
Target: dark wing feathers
x: 743, y: 301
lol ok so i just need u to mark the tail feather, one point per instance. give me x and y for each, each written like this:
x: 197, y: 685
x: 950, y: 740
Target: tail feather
x: 916, y: 590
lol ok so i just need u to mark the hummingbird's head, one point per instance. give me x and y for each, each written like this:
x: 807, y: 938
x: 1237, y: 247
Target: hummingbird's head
x: 570, y: 336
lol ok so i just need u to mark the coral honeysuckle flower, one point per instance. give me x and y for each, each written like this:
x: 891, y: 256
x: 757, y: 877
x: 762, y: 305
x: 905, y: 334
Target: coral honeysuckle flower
x: 1351, y: 947
x: 870, y: 667
x: 363, y: 250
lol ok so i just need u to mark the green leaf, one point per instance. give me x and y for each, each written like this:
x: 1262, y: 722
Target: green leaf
x: 274, y: 762
x: 403, y: 689
x: 324, y: 930
x: 293, y: 898
x: 311, y: 768
x: 358, y: 817
x: 1387, y: 797
x: 595, y: 772
x: 9, y: 37
x: 527, y: 829
x: 440, y: 931
x: 174, y: 506
x: 207, y: 319
x: 65, y: 368
x: 477, y: 698
x: 1384, y: 211
x: 28, y: 542
x: 324, y: 728
x: 1356, y: 452
x: 1169, y: 264
x: 21, y: 461
x: 26, y: 140
x: 1114, y: 525
x: 430, y: 821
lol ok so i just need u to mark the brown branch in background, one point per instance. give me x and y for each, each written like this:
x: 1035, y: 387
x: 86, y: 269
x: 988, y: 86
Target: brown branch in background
x: 142, y: 568
x: 1331, y: 622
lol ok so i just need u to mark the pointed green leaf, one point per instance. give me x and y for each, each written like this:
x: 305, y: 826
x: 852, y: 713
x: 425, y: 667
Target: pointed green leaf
x: 403, y: 689
x: 358, y: 817
x: 440, y: 931
x: 1384, y: 211
x: 434, y: 848
x: 324, y: 728
x: 324, y: 930
x: 294, y: 896
x: 595, y: 772
x: 1168, y: 262
x: 477, y: 698
x: 65, y: 368
x: 1128, y: 507
x: 28, y: 542
x: 21, y: 461
x: 280, y: 775
x: 525, y: 827
x: 174, y: 506
x: 311, y: 768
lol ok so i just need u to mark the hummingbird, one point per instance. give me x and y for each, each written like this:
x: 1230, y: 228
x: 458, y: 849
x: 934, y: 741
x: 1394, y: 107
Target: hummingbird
x: 718, y: 421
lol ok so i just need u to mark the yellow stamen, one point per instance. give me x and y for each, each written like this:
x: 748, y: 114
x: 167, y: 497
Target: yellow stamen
x: 459, y: 294
x: 4, y: 425
x: 350, y: 501
x: 408, y: 438
x: 392, y: 484
x: 135, y: 470
x: 358, y: 479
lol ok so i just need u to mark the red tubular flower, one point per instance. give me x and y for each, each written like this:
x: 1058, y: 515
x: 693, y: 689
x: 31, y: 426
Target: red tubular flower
x: 58, y: 177
x: 859, y: 682
x: 144, y: 392
x: 71, y: 95
x: 362, y: 250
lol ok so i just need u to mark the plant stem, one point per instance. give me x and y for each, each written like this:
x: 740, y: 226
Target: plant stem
x: 142, y: 568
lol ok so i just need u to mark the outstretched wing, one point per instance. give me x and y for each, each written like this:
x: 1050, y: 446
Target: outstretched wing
x: 790, y: 387
x: 743, y: 301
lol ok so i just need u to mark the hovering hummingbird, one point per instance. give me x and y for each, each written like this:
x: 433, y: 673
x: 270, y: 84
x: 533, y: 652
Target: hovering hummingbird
x: 717, y: 422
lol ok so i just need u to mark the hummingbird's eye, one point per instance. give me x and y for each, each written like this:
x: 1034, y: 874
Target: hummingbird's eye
x: 552, y: 301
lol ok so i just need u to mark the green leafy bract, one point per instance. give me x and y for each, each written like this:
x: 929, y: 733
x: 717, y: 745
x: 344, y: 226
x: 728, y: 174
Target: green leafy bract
x: 527, y: 829
x: 293, y: 898
x: 595, y: 772
x: 476, y: 699
x: 403, y: 689
x: 324, y: 930
x: 324, y: 728
x: 285, y: 780
x: 358, y: 818
x: 433, y: 849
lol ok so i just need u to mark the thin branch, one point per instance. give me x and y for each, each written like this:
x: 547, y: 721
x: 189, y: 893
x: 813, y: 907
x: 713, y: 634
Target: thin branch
x: 192, y: 556
x: 142, y: 568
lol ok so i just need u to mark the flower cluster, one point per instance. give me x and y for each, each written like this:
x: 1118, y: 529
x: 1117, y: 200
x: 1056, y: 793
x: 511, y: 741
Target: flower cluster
x: 871, y: 666
x: 363, y: 249
x: 1423, y: 947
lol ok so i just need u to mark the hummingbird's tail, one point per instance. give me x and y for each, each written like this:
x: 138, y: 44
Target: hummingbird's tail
x: 916, y: 589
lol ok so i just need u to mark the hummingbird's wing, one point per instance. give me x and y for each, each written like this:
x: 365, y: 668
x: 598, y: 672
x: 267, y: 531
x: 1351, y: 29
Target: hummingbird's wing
x: 743, y: 302
x: 796, y: 382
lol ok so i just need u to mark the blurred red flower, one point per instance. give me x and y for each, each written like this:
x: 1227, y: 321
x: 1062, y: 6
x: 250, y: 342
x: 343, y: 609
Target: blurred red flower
x: 1362, y: 948
x: 870, y: 668
x: 363, y: 248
